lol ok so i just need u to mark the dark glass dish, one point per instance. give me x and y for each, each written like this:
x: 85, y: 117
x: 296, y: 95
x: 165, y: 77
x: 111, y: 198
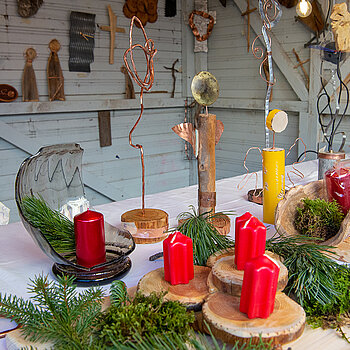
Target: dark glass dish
x: 55, y: 173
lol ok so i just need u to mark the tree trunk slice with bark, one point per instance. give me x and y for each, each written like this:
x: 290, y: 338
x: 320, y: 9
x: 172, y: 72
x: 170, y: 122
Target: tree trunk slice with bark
x: 192, y: 295
x: 286, y: 211
x: 227, y: 279
x: 146, y: 227
x: 285, y: 324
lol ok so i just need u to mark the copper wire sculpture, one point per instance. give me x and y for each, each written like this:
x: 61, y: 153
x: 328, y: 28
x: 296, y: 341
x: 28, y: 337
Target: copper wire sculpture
x: 270, y: 12
x: 145, y: 84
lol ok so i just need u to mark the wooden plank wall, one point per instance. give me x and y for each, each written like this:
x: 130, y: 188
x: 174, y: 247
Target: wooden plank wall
x: 238, y: 74
x: 119, y: 164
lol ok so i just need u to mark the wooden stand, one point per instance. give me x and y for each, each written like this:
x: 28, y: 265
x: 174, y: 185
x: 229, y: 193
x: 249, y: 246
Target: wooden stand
x: 285, y: 324
x: 148, y: 226
x: 192, y: 295
x: 227, y: 279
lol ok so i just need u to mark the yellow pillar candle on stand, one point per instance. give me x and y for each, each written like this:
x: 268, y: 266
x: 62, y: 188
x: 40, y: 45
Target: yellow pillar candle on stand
x: 273, y: 181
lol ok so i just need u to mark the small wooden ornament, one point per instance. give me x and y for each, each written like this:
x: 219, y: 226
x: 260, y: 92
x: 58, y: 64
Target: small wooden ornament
x: 7, y: 93
x: 29, y: 87
x: 227, y: 279
x: 226, y: 322
x: 54, y: 73
x: 146, y: 226
x: 192, y: 295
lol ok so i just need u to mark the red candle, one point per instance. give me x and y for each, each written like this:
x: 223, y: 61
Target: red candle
x: 338, y: 186
x: 250, y: 239
x: 259, y: 287
x: 178, y: 258
x: 90, y: 238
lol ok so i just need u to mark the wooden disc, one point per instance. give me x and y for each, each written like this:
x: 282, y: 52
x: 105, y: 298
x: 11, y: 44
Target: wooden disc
x: 227, y: 279
x: 148, y: 226
x: 192, y: 294
x: 285, y: 324
x: 218, y: 255
x: 222, y: 223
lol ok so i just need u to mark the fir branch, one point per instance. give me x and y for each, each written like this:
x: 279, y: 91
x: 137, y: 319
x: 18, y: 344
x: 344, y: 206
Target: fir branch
x: 57, y: 228
x: 310, y: 268
x: 119, y: 293
x: 206, y: 239
x: 56, y: 313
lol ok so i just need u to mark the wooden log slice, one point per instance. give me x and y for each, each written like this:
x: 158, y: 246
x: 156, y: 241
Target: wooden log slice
x: 192, y: 295
x: 285, y: 324
x: 227, y: 279
x: 218, y: 255
x: 222, y: 223
x: 146, y: 227
x: 286, y: 211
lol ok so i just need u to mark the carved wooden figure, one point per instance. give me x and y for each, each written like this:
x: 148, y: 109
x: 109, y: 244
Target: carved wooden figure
x: 29, y: 87
x: 341, y: 26
x: 54, y: 73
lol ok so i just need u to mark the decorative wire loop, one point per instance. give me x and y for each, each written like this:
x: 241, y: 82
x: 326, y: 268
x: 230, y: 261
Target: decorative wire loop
x: 145, y: 84
x: 296, y: 171
x: 248, y: 175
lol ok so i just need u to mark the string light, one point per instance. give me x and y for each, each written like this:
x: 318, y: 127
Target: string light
x: 304, y: 8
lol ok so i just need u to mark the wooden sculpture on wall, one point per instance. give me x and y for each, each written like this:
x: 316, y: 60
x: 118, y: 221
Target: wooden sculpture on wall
x: 112, y: 28
x: 54, y: 73
x: 341, y: 26
x: 129, y: 86
x: 27, y: 8
x: 29, y: 87
x: 145, y: 10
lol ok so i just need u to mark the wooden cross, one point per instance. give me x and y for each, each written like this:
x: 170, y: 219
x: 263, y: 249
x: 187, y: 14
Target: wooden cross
x: 247, y: 13
x: 112, y: 28
x: 300, y: 63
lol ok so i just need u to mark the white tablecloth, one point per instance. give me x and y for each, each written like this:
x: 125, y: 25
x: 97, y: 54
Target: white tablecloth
x: 21, y: 259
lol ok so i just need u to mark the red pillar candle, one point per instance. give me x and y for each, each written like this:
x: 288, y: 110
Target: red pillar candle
x: 90, y: 238
x: 337, y: 182
x: 250, y: 239
x: 259, y: 287
x: 178, y: 258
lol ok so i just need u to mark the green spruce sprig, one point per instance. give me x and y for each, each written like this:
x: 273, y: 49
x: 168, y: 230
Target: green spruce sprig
x: 119, y: 293
x: 56, y: 312
x: 206, y: 239
x: 57, y: 228
x: 309, y: 265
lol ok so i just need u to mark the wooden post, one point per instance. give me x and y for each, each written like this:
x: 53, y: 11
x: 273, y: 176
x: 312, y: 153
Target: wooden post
x: 206, y: 163
x: 112, y: 28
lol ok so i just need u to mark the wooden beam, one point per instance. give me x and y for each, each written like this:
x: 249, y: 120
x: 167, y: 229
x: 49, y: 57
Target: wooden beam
x: 104, y: 128
x: 281, y: 58
x: 31, y: 147
x: 14, y: 108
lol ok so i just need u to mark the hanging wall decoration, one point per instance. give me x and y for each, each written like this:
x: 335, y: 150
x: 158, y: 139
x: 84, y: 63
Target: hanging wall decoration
x: 173, y: 71
x: 112, y: 29
x: 54, y: 73
x: 341, y: 26
x: 170, y: 8
x: 247, y: 13
x: 27, y: 8
x: 147, y: 225
x: 129, y: 87
x: 29, y: 87
x: 7, y: 93
x: 82, y: 42
x: 145, y: 10
x: 201, y: 23
x: 205, y: 90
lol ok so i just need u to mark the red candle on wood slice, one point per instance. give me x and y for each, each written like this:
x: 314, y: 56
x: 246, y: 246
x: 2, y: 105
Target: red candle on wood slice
x: 250, y: 239
x: 90, y: 238
x: 178, y: 258
x: 259, y: 287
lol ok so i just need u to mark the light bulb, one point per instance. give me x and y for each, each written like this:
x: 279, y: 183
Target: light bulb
x: 304, y: 8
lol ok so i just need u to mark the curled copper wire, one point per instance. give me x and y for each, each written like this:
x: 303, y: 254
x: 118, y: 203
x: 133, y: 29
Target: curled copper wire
x: 296, y: 171
x: 248, y: 175
x: 145, y: 84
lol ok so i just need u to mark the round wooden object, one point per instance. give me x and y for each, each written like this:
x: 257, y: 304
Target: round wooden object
x: 222, y: 223
x: 286, y: 211
x: 285, y: 324
x: 192, y: 295
x: 227, y: 279
x: 148, y: 226
x: 218, y: 255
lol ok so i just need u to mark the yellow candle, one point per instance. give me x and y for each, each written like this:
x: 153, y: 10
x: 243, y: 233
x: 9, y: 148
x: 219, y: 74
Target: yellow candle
x: 273, y: 181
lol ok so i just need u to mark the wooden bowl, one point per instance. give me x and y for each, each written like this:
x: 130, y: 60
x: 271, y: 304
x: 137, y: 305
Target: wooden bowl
x: 287, y: 208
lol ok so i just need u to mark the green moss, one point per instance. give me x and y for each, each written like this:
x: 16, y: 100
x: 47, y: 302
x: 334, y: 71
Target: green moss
x: 318, y: 218
x: 146, y: 316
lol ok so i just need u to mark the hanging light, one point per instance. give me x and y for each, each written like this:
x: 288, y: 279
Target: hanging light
x: 304, y: 8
